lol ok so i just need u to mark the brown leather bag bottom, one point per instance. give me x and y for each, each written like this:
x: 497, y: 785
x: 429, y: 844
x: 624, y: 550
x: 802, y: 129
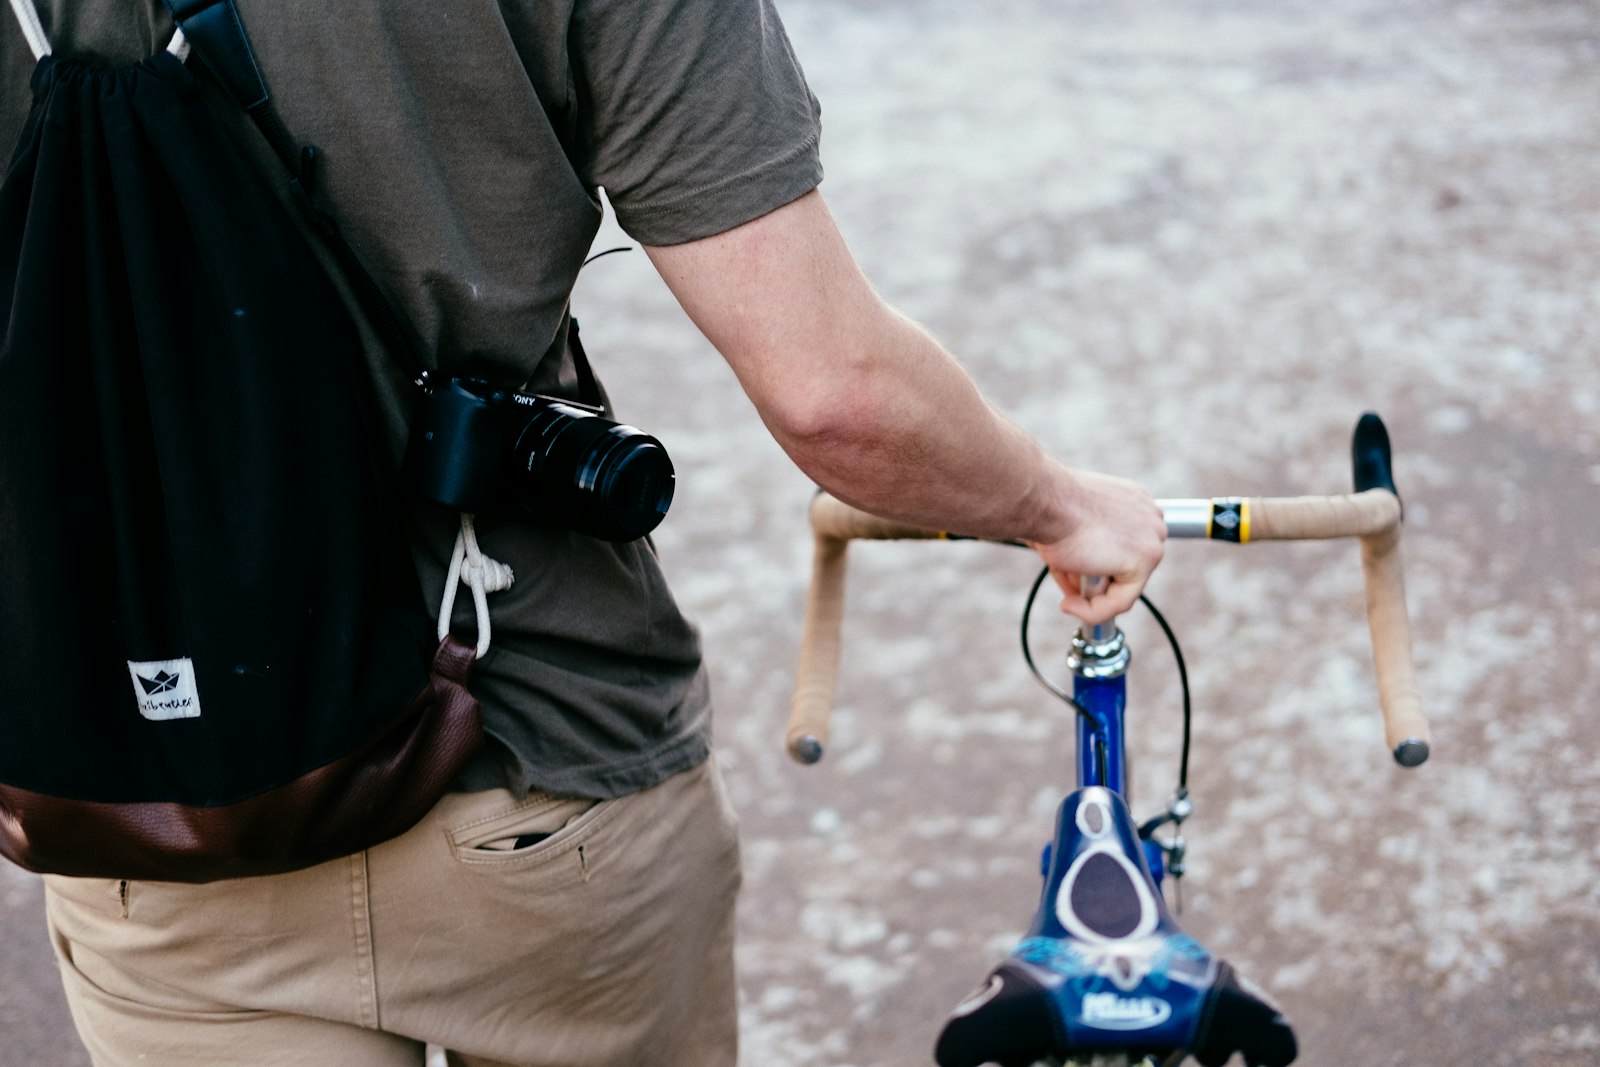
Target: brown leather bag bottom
x: 376, y: 792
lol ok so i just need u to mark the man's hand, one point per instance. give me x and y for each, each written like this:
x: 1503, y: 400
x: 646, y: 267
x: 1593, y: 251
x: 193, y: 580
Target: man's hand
x: 1119, y: 535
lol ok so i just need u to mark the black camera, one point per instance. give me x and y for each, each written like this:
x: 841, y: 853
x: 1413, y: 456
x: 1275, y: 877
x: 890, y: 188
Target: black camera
x: 482, y: 449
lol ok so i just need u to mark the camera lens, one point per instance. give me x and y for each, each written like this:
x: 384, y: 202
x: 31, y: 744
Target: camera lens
x: 599, y: 477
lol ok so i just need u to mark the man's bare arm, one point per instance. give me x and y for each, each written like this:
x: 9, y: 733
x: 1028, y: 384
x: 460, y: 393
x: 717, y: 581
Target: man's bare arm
x: 876, y: 412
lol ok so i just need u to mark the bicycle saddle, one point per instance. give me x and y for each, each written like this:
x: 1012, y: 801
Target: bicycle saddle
x: 1104, y: 968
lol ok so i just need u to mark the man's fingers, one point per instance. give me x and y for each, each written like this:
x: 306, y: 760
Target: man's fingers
x: 1090, y: 613
x: 1117, y: 599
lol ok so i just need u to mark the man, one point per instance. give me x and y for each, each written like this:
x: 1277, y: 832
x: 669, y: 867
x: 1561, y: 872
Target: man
x: 571, y: 902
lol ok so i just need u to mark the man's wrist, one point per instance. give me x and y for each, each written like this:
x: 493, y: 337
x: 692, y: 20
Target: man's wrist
x: 1058, y: 503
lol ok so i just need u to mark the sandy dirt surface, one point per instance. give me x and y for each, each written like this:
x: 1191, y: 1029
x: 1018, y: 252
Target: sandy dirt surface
x: 1186, y: 243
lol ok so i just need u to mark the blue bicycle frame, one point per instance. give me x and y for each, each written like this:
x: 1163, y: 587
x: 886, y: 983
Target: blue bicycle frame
x: 1099, y: 664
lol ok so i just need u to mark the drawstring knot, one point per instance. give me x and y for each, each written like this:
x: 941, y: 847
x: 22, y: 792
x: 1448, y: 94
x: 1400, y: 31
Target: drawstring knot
x: 481, y: 574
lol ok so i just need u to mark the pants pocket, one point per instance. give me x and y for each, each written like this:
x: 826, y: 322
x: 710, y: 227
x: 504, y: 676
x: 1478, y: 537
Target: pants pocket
x: 539, y: 825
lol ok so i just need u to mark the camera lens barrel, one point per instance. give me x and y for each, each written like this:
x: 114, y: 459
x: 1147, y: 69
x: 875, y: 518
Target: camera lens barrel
x: 601, y: 478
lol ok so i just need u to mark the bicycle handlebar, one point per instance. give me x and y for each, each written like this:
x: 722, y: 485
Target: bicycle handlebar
x: 1373, y: 515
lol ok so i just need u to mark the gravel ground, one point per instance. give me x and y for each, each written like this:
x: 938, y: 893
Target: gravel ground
x: 1187, y: 243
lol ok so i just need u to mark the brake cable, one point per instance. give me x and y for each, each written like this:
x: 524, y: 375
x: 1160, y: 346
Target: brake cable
x: 1183, y: 682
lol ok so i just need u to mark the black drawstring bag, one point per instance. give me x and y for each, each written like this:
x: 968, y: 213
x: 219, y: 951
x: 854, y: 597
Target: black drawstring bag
x: 215, y: 657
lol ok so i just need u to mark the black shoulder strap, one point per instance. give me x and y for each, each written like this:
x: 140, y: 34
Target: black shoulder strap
x: 217, y: 35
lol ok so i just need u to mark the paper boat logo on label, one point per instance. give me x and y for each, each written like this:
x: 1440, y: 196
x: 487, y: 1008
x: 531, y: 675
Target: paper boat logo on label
x: 165, y: 689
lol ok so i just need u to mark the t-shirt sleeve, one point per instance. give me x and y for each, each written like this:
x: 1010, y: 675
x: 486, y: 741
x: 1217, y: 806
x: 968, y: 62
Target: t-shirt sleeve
x: 694, y: 115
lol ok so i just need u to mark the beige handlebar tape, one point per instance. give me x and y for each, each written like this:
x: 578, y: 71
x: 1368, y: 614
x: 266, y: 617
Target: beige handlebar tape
x: 1307, y: 518
x: 831, y: 517
x: 834, y: 524
x: 819, y: 653
x: 1373, y: 516
x: 1405, y: 726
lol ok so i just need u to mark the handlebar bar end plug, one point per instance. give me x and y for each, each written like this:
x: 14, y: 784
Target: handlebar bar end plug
x: 1412, y: 752
x: 808, y: 750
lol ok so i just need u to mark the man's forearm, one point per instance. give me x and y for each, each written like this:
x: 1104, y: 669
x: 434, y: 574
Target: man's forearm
x: 862, y: 399
x: 876, y: 412
x: 909, y: 437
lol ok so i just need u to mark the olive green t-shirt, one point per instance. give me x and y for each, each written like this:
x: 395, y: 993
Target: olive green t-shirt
x: 463, y: 144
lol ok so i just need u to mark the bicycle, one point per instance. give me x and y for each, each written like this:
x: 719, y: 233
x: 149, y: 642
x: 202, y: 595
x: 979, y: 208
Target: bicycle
x: 1104, y: 976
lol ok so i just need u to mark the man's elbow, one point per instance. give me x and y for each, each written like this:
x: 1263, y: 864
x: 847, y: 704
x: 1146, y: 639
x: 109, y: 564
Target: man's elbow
x: 824, y: 421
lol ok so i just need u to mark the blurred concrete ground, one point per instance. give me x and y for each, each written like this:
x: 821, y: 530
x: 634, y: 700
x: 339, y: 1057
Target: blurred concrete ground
x: 1187, y: 243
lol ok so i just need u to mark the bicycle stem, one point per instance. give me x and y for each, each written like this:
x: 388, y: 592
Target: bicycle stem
x: 1099, y: 660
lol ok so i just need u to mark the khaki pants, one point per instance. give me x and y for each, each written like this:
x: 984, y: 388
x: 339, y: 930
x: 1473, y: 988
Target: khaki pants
x: 607, y: 944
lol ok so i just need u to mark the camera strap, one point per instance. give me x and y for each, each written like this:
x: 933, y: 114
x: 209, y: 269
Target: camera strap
x: 217, y: 34
x: 588, y: 388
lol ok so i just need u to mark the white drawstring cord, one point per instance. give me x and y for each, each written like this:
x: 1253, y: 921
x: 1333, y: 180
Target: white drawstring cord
x: 482, y: 575
x: 32, y: 28
x: 39, y: 43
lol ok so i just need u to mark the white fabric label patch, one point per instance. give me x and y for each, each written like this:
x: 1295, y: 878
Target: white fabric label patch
x: 165, y: 689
